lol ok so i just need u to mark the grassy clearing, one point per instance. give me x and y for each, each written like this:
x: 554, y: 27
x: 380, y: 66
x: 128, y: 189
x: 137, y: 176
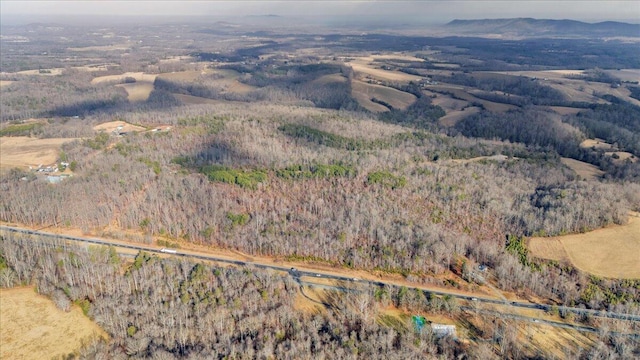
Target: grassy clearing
x: 596, y: 143
x: 547, y: 248
x: 139, y: 76
x: 364, y: 92
x: 4, y: 83
x: 583, y: 169
x: 610, y: 252
x: 34, y: 328
x: 459, y: 93
x: 329, y: 79
x: 138, y: 91
x: 113, y: 125
x: 453, y: 116
x: 22, y: 151
x: 181, y: 75
x: 564, y: 110
x: 362, y: 66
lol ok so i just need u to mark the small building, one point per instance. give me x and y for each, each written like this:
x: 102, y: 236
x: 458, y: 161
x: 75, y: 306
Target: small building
x: 442, y: 330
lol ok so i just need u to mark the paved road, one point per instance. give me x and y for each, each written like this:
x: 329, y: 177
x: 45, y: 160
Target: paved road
x: 297, y: 273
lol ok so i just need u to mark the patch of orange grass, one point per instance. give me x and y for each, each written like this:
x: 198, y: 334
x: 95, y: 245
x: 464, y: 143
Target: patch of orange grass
x: 585, y: 170
x: 34, y: 328
x: 609, y: 252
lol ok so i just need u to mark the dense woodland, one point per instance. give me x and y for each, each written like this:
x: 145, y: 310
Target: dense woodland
x: 168, y: 308
x: 297, y: 169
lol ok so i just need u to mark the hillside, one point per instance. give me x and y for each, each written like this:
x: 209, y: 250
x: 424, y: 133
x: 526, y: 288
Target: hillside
x: 544, y: 27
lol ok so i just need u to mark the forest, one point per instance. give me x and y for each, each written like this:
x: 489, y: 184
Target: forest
x: 289, y: 147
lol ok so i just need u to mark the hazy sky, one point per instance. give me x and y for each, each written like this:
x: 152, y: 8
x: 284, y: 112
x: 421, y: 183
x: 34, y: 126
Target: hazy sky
x: 434, y: 11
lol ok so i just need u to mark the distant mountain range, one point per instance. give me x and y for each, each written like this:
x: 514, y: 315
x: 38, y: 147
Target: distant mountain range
x: 544, y: 28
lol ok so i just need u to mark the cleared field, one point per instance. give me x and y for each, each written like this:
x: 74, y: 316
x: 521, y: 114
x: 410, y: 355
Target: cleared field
x: 395, y: 56
x: 139, y: 76
x: 363, y: 67
x: 563, y: 110
x: 610, y: 252
x: 459, y: 92
x: 622, y: 156
x: 113, y: 125
x: 447, y: 103
x: 597, y: 143
x: 547, y: 248
x: 625, y: 74
x: 181, y: 75
x: 5, y: 82
x: 196, y: 100
x: 580, y: 90
x: 453, y: 116
x: 100, y: 48
x: 583, y: 169
x: 34, y: 328
x: 138, y: 91
x: 328, y: 79
x: 42, y: 72
x: 23, y: 151
x: 364, y: 92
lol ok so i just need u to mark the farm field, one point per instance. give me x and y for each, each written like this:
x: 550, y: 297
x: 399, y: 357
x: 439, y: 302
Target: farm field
x: 363, y: 67
x: 138, y: 91
x: 583, y: 169
x: 23, y: 151
x: 459, y: 92
x: 364, y: 92
x: 453, y: 116
x: 610, y: 252
x: 139, y: 76
x: 34, y: 328
x: 582, y: 90
x: 113, y: 125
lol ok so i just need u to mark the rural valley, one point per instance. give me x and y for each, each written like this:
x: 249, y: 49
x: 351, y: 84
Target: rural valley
x: 259, y: 188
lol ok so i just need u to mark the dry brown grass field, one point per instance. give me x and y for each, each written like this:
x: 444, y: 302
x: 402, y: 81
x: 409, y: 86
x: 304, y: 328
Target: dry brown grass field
x: 113, y: 125
x: 547, y: 248
x: 23, y: 151
x: 610, y: 252
x: 583, y: 169
x: 32, y: 327
x: 597, y: 143
x: 625, y: 74
x: 453, y: 116
x: 363, y: 67
x: 563, y: 110
x: 139, y: 76
x: 459, y: 92
x: 580, y: 90
x: 42, y: 72
x: 328, y: 79
x: 4, y: 83
x: 622, y: 156
x: 138, y: 91
x: 100, y: 48
x: 364, y: 92
x: 181, y: 75
x: 447, y: 103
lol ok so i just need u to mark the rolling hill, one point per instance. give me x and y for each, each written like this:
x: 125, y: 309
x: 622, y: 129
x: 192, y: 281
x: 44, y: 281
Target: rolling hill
x: 544, y: 27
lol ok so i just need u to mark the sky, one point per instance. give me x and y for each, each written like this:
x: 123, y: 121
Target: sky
x: 429, y: 11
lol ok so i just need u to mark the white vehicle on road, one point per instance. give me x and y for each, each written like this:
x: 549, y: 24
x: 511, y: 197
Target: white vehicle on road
x: 168, y: 251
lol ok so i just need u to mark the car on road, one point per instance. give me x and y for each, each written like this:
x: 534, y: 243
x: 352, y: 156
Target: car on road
x: 474, y: 299
x: 318, y: 275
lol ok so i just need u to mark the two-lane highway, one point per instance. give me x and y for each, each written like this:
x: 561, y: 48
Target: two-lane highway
x: 302, y: 272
